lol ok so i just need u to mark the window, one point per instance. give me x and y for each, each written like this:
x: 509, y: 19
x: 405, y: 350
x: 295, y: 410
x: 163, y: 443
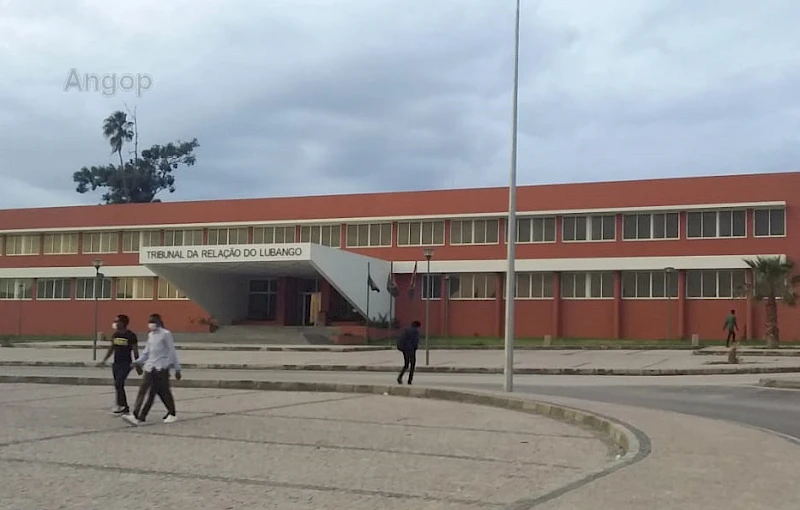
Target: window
x: 326, y: 235
x: 100, y: 242
x: 274, y: 235
x: 369, y: 234
x: 473, y: 286
x: 11, y: 288
x: 85, y: 287
x: 134, y: 288
x: 420, y: 233
x: 587, y: 285
x: 228, y: 235
x: 650, y: 226
x: 649, y: 284
x: 474, y: 231
x: 150, y: 238
x: 723, y: 283
x: 263, y: 300
x: 193, y: 237
x: 769, y: 222
x: 168, y: 291
x: 536, y: 230
x: 53, y: 289
x: 23, y: 245
x: 60, y: 244
x: 711, y: 224
x: 534, y: 285
x: 435, y: 288
x: 130, y: 242
x: 599, y: 227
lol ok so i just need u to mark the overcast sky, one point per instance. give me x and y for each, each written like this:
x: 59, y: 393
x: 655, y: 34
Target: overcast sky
x: 296, y: 97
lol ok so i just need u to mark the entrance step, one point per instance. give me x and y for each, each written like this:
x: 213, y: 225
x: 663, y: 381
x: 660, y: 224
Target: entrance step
x: 264, y: 335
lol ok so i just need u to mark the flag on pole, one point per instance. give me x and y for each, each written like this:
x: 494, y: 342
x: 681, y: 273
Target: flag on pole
x: 391, y: 282
x: 413, y: 284
x: 371, y: 283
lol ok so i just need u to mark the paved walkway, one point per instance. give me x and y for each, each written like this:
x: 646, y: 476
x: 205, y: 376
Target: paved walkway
x: 582, y: 362
x: 282, y: 450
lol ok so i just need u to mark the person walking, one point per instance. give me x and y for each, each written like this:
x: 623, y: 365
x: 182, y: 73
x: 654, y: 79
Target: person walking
x: 731, y: 327
x: 408, y: 343
x: 125, y: 348
x: 158, y: 357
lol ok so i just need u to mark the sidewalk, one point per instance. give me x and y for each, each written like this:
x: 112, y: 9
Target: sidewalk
x: 574, y: 362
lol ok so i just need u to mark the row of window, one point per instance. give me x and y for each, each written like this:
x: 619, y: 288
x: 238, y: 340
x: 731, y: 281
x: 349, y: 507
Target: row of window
x: 574, y: 228
x: 700, y: 284
x: 60, y: 289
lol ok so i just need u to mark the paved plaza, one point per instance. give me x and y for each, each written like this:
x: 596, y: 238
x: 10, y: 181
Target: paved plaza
x: 61, y: 448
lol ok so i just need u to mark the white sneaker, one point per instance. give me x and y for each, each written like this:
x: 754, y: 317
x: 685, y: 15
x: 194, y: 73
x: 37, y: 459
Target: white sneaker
x: 171, y: 418
x: 131, y: 419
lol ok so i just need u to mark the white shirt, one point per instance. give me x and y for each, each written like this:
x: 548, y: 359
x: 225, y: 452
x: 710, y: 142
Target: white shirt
x: 160, y: 352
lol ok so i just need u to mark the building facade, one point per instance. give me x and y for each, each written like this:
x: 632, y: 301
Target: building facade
x: 643, y: 259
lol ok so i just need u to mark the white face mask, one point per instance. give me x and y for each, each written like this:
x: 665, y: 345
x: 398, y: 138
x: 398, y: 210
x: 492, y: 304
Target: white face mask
x: 153, y: 326
x: 114, y: 326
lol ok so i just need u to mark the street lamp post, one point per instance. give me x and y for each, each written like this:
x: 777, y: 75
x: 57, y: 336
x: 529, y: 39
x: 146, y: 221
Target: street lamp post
x: 97, y: 263
x: 428, y: 252
x: 670, y: 271
x: 508, y: 368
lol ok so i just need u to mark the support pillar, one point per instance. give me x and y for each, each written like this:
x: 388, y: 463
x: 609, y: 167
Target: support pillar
x: 555, y: 325
x: 617, y: 305
x: 681, y: 334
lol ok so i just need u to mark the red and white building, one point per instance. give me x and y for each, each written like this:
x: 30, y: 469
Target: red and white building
x: 592, y: 259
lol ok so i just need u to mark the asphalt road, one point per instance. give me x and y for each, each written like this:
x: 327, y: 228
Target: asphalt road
x: 733, y: 398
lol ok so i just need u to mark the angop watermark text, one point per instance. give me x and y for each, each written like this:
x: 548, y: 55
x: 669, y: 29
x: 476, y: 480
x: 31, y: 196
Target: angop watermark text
x: 108, y: 84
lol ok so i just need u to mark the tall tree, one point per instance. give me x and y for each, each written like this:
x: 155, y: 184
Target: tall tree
x: 773, y: 279
x: 118, y: 130
x: 141, y: 178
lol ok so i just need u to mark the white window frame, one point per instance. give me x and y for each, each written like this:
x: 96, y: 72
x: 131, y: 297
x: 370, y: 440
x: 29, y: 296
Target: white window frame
x: 587, y: 279
x: 131, y: 241
x: 150, y: 238
x: 108, y: 242
x: 406, y: 235
x: 641, y: 290
x: 769, y: 212
x: 88, y: 286
x: 717, y: 222
x: 140, y: 285
x: 61, y: 284
x: 664, y: 217
x: 195, y: 237
x: 167, y: 291
x: 718, y: 273
x: 477, y: 281
x: 17, y: 284
x: 319, y: 234
x: 542, y: 281
x: 31, y: 245
x: 591, y: 222
x: 474, y: 227
x: 527, y: 224
x: 436, y: 290
x: 376, y: 235
x: 222, y: 236
x: 274, y: 234
x: 58, y: 241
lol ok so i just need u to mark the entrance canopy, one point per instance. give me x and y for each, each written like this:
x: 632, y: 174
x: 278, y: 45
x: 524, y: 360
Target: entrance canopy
x: 217, y: 277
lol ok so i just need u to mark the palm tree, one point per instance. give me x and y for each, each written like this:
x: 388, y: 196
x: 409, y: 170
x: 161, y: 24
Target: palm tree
x: 773, y: 279
x: 118, y: 130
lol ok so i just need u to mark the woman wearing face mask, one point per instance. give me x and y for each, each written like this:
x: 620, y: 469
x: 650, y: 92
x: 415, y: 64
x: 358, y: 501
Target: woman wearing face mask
x: 156, y: 360
x: 124, y: 346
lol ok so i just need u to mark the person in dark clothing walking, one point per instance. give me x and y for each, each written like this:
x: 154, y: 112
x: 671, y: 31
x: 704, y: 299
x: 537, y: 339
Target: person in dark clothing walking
x: 408, y: 343
x: 125, y: 348
x: 731, y: 327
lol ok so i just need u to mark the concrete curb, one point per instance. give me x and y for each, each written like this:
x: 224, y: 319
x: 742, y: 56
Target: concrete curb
x: 716, y: 370
x: 787, y: 384
x: 749, y: 352
x: 623, y: 437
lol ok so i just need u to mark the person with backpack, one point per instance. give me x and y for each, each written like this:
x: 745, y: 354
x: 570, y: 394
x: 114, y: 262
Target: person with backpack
x: 408, y: 343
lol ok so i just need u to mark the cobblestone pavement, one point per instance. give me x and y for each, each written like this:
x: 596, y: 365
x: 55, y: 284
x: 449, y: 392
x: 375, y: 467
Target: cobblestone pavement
x: 60, y: 448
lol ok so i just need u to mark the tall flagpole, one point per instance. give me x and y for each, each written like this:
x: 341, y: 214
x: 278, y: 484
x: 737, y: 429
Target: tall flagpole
x: 369, y: 291
x: 511, y: 280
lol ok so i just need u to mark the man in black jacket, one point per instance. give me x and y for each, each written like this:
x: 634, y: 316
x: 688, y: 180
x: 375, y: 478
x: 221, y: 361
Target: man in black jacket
x: 408, y: 343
